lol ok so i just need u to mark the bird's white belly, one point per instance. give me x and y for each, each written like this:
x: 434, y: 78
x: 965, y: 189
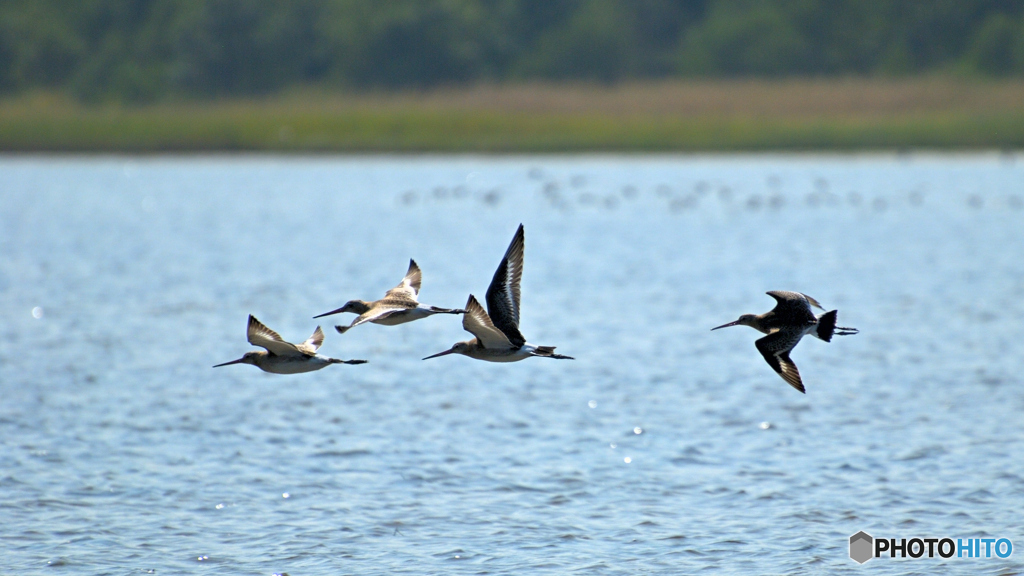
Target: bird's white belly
x: 504, y: 355
x: 289, y: 365
x: 404, y: 316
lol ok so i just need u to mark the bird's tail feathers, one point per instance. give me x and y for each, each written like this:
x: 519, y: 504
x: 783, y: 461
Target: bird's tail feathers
x: 827, y: 327
x: 337, y: 361
x: 549, y: 352
x: 447, y: 310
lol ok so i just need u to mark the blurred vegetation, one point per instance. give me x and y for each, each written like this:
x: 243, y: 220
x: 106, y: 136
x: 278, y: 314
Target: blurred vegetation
x: 139, y: 51
x: 510, y: 75
x: 725, y: 115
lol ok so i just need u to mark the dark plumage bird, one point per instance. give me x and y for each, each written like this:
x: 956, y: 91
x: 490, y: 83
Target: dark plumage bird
x: 790, y: 320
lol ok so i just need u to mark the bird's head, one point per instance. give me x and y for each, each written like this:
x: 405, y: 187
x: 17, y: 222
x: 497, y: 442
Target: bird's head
x: 744, y: 320
x: 353, y: 306
x: 247, y: 358
x: 458, y: 348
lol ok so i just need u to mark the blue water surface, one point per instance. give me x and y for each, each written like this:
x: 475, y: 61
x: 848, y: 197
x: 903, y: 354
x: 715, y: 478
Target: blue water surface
x: 664, y: 448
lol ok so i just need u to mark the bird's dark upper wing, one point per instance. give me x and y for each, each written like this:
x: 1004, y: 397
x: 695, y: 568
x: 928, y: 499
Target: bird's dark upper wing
x: 479, y: 324
x: 259, y: 335
x: 503, y: 293
x: 793, y: 307
x: 775, y: 348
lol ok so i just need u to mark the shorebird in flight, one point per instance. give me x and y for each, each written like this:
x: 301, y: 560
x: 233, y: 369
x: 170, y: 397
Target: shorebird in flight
x: 497, y: 334
x: 790, y: 320
x: 284, y: 357
x: 398, y: 306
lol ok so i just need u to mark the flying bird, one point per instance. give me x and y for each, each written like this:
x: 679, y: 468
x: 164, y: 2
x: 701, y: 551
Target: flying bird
x: 497, y: 329
x: 398, y: 306
x: 284, y: 357
x: 790, y: 320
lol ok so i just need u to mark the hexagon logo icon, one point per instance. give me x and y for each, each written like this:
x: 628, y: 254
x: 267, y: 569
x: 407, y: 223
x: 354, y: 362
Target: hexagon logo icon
x: 861, y: 547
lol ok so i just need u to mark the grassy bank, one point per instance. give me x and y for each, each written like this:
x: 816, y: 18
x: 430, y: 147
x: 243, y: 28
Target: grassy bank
x: 936, y: 113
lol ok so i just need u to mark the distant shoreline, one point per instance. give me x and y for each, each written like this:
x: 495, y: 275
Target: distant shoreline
x: 849, y: 114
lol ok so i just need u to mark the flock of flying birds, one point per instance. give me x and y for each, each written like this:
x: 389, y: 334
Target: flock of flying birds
x: 496, y: 330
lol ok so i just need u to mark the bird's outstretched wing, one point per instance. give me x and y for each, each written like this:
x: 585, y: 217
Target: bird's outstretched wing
x: 313, y: 343
x: 775, y: 348
x: 259, y: 335
x: 478, y: 323
x: 379, y: 312
x: 793, y: 306
x: 503, y: 293
x: 409, y: 288
x: 812, y: 301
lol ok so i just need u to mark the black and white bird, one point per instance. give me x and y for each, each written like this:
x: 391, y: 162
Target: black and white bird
x: 496, y: 330
x: 284, y: 357
x: 398, y: 306
x: 790, y: 320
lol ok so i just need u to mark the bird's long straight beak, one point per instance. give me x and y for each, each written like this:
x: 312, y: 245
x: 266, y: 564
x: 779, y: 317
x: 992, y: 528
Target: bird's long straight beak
x: 445, y: 353
x: 329, y: 313
x: 726, y: 325
x: 239, y: 361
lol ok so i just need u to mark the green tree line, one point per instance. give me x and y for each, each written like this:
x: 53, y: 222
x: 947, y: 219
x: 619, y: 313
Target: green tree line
x: 144, y: 50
